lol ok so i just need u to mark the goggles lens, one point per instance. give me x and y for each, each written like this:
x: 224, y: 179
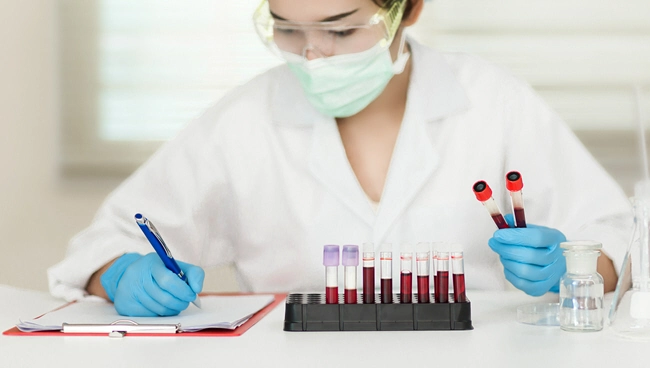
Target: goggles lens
x: 328, y: 38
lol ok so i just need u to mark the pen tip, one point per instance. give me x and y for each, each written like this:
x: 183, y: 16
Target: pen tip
x: 197, y: 302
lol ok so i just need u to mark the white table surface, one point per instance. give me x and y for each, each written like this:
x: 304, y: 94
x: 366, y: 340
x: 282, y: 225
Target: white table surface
x: 496, y: 341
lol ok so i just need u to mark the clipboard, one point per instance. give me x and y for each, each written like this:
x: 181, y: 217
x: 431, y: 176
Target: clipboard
x: 124, y: 328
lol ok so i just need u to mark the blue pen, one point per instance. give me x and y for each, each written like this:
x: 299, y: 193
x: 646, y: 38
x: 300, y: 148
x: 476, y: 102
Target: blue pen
x: 160, y: 247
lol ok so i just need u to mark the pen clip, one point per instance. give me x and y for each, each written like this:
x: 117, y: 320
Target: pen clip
x: 155, y: 233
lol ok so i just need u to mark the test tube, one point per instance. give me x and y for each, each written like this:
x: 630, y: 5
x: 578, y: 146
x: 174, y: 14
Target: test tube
x: 422, y: 263
x: 350, y: 261
x: 386, y: 262
x: 442, y: 283
x: 435, y: 273
x: 484, y: 195
x: 331, y: 263
x: 514, y: 184
x: 458, y: 270
x: 406, y: 274
x: 368, y: 273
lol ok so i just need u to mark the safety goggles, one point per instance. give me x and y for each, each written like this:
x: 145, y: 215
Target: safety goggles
x: 328, y: 38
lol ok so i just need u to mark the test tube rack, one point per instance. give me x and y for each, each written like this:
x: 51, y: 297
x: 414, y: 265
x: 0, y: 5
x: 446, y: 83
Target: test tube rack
x: 309, y: 312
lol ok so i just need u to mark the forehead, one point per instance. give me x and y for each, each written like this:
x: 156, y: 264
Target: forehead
x: 317, y: 10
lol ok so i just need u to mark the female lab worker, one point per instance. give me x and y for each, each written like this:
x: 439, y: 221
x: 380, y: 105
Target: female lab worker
x: 360, y: 137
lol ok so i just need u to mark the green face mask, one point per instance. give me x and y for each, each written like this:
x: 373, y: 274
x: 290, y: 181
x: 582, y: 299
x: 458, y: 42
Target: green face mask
x: 341, y: 86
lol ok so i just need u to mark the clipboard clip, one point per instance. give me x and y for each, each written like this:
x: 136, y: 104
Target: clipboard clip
x: 121, y: 328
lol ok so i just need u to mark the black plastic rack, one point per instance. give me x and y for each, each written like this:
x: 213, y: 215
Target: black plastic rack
x: 308, y: 312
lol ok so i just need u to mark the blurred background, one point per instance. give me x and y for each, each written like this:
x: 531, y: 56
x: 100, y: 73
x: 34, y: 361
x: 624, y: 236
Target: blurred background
x: 90, y: 88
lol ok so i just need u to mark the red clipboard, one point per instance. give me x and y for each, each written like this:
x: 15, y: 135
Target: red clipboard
x: 211, y: 332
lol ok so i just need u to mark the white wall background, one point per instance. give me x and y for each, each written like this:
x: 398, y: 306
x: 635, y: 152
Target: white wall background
x: 38, y: 211
x: 588, y: 53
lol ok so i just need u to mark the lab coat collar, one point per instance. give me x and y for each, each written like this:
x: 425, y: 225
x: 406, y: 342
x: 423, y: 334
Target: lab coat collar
x: 434, y: 93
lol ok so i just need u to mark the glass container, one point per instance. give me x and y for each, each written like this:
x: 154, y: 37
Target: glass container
x: 629, y: 315
x: 581, y: 288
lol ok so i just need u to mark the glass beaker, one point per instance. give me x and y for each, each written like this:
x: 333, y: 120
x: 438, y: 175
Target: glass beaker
x: 581, y: 288
x: 630, y: 311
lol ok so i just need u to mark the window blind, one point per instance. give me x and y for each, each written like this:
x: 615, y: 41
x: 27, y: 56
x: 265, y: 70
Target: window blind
x: 135, y: 72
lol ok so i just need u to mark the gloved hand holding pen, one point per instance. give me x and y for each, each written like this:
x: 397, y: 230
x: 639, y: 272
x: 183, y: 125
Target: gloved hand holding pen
x: 142, y: 286
x: 532, y: 258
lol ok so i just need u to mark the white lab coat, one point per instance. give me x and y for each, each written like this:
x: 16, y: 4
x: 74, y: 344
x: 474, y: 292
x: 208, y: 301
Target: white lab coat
x: 262, y: 181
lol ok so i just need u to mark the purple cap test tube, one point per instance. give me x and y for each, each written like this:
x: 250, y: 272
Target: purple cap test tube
x: 350, y: 260
x: 331, y: 255
x: 350, y: 255
x: 331, y: 260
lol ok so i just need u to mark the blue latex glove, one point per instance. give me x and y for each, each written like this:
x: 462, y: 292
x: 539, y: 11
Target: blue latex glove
x: 142, y: 286
x: 532, y: 258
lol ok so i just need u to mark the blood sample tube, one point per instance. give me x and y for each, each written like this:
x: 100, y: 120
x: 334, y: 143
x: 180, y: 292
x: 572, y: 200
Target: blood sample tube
x: 386, y: 273
x: 331, y: 263
x: 368, y: 273
x: 406, y: 274
x: 458, y: 270
x: 422, y: 262
x: 435, y: 273
x: 484, y: 195
x: 350, y: 261
x: 514, y: 184
x: 442, y: 283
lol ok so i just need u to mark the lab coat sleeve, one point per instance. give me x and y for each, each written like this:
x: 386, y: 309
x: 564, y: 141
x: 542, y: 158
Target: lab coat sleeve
x: 182, y: 189
x: 564, y: 186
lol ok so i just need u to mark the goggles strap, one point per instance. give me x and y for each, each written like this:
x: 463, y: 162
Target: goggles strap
x: 402, y: 56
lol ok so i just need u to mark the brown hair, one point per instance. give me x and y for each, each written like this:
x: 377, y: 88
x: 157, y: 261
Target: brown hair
x: 407, y: 11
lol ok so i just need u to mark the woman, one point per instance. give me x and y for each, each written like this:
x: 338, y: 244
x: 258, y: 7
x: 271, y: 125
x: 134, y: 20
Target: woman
x: 361, y: 137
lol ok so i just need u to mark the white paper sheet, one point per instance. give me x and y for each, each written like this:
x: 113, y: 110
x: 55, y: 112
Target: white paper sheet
x: 227, y: 312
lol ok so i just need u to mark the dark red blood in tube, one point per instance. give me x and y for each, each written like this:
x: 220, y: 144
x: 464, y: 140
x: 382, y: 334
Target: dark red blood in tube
x: 332, y: 295
x: 350, y: 296
x: 500, y: 221
x: 406, y: 287
x: 442, y: 287
x: 386, y: 291
x: 368, y: 285
x: 459, y: 288
x: 423, y: 289
x: 520, y: 217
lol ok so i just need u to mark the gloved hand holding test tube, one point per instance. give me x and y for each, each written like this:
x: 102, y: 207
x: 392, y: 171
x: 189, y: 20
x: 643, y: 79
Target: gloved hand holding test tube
x: 531, y: 256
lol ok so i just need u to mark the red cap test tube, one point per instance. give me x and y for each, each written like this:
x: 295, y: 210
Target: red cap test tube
x: 458, y: 270
x: 331, y: 256
x: 483, y: 193
x: 386, y: 273
x: 406, y: 274
x: 368, y: 273
x: 514, y: 184
x: 442, y: 280
x: 350, y: 261
x: 422, y: 265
